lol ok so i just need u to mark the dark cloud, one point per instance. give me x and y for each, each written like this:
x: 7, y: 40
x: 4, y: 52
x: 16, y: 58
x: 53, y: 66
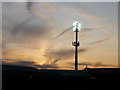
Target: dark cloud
x: 85, y: 63
x: 82, y: 63
x: 60, y: 53
x: 98, y: 64
x: 25, y: 63
x: 99, y: 41
x: 18, y: 62
x: 66, y: 30
x: 31, y: 9
x: 89, y: 29
x: 31, y: 29
x: 51, y: 65
x: 18, y: 28
x: 52, y: 62
x: 8, y: 59
x: 46, y: 66
x: 55, y: 61
x: 63, y: 53
x: 82, y: 50
x: 29, y: 6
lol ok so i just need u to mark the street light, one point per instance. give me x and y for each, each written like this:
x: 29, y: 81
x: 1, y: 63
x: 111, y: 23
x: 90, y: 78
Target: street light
x: 76, y: 28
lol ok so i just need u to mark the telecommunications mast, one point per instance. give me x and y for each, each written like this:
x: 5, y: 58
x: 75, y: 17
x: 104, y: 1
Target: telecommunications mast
x: 76, y: 29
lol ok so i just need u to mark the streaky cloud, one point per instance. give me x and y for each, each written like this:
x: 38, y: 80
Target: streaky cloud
x: 29, y: 6
x: 18, y: 27
x: 108, y: 36
x: 99, y: 41
x: 66, y: 30
x: 55, y: 61
x: 25, y: 63
x: 68, y: 53
x: 82, y: 30
x: 97, y: 64
x: 46, y: 66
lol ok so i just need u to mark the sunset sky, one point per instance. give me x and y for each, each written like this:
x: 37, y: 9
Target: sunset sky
x: 30, y: 30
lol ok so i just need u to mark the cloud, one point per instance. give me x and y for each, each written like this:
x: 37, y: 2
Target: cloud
x: 99, y: 41
x: 85, y: 63
x: 18, y: 28
x: 100, y: 64
x: 63, y: 53
x: 55, y: 56
x: 97, y: 64
x: 66, y: 30
x: 46, y: 66
x: 29, y: 6
x: 31, y: 28
x: 38, y: 9
x: 55, y: 61
x: 51, y: 63
x: 82, y: 63
x: 25, y: 63
x: 40, y: 15
x: 20, y: 62
x: 44, y: 6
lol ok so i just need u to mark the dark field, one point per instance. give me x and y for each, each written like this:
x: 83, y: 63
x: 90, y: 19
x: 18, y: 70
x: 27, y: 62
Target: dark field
x: 27, y: 78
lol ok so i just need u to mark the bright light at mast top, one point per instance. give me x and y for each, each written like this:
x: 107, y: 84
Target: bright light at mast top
x: 76, y: 26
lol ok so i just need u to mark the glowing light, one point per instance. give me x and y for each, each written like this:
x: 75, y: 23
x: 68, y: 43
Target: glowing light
x: 76, y: 26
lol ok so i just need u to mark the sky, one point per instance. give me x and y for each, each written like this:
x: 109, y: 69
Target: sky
x: 39, y: 34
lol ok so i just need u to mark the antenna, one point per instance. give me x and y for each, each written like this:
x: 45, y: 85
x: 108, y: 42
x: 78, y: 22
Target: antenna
x: 76, y: 29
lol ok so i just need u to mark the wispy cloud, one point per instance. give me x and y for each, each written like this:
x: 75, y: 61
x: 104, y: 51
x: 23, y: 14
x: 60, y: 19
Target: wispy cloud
x: 29, y: 6
x: 25, y: 63
x: 65, y: 53
x: 97, y: 64
x: 50, y: 65
x: 100, y: 41
x: 19, y: 27
x: 46, y: 66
